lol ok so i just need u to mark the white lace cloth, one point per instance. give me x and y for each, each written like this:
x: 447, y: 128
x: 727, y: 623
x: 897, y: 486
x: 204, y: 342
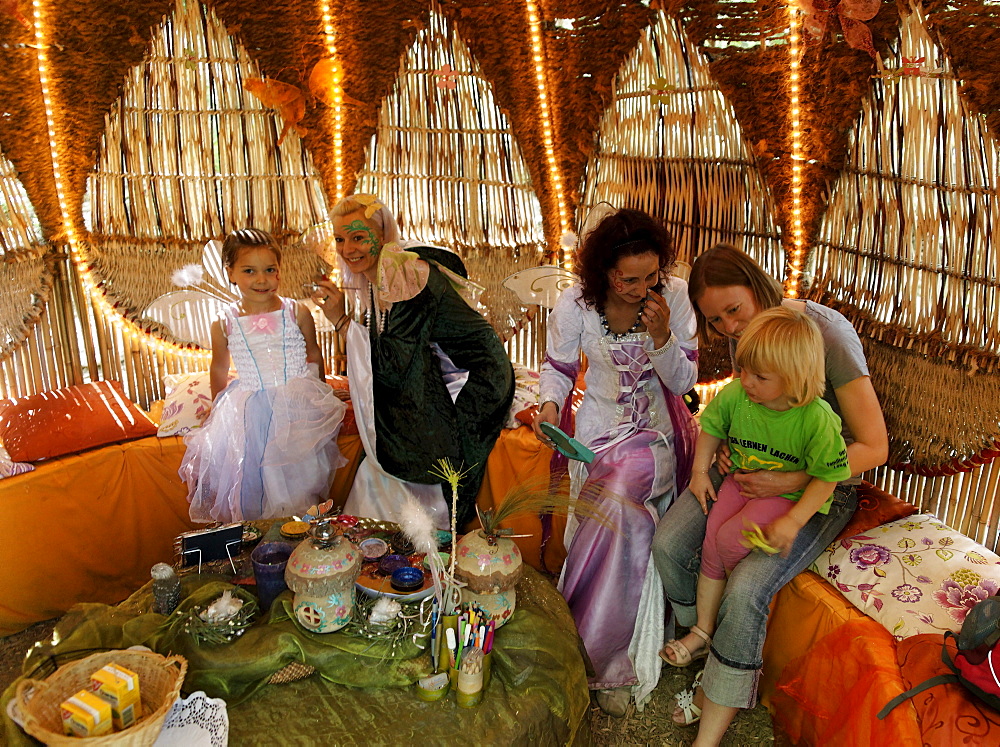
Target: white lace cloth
x: 195, y: 721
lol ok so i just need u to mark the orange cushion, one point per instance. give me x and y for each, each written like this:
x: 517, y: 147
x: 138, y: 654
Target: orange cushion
x: 875, y: 507
x: 68, y: 420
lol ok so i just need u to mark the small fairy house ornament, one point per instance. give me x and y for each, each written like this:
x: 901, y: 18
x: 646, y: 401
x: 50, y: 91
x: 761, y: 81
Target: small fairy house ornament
x: 488, y: 562
x: 321, y: 571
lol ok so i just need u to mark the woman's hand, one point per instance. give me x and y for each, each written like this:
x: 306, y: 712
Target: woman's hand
x: 330, y: 299
x: 723, y: 462
x: 701, y: 486
x: 781, y: 533
x: 547, y: 413
x: 766, y: 482
x: 656, y: 317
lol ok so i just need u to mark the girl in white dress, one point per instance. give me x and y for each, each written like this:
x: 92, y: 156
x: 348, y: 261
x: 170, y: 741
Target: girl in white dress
x: 269, y: 446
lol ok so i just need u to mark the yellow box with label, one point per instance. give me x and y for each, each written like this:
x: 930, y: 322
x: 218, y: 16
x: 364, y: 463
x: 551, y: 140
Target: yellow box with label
x: 86, y: 715
x: 119, y: 687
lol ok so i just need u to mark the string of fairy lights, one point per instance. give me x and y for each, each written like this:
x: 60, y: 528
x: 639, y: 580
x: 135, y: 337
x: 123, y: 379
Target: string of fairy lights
x: 798, y: 249
x: 77, y: 253
x: 337, y: 97
x: 538, y: 57
x: 95, y: 293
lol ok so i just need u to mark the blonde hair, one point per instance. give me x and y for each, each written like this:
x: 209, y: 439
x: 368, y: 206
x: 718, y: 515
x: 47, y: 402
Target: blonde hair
x: 380, y: 218
x: 788, y: 343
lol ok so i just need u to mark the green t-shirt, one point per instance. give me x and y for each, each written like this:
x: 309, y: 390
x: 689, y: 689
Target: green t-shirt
x: 801, y: 438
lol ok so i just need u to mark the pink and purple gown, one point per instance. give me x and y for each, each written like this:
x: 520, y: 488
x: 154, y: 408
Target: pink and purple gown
x: 269, y: 446
x: 633, y: 419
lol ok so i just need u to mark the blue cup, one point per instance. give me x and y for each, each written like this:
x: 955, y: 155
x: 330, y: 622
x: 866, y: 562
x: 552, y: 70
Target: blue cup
x: 269, y: 560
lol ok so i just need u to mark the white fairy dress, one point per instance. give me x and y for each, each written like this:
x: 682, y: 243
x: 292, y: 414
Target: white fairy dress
x: 269, y: 446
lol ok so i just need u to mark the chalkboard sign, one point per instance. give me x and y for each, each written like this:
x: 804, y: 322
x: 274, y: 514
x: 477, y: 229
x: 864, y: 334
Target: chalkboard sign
x: 205, y: 545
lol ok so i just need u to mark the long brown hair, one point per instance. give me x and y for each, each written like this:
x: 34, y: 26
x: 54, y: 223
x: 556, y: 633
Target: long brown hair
x: 723, y: 266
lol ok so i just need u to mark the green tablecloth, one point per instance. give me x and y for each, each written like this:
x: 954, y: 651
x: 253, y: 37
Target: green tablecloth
x: 362, y: 693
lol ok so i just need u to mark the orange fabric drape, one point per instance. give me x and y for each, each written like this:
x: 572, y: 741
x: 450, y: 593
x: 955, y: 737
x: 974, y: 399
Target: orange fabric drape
x: 88, y: 527
x: 829, y: 669
x: 517, y: 458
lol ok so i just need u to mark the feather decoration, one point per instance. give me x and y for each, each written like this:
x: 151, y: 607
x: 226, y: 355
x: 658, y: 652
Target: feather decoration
x: 568, y: 240
x: 417, y: 525
x: 384, y: 611
x: 188, y: 275
x: 538, y: 497
x: 445, y: 470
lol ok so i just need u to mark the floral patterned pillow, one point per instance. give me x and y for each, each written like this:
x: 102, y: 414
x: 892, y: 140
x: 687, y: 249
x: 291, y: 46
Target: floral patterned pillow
x: 188, y: 402
x: 913, y: 575
x: 525, y: 394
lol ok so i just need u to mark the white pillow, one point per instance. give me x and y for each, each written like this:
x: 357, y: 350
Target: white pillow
x: 189, y: 399
x: 913, y: 575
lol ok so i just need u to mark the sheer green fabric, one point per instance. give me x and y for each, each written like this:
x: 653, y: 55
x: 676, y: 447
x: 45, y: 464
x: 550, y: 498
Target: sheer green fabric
x: 415, y: 419
x: 362, y: 692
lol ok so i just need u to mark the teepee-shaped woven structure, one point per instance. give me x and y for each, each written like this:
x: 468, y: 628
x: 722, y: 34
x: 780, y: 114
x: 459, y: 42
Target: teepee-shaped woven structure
x: 670, y: 144
x: 445, y: 160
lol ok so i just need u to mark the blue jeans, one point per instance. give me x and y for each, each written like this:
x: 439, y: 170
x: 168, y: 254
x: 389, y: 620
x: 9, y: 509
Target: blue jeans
x: 733, y: 668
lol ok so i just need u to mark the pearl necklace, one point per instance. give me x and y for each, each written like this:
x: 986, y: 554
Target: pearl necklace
x: 631, y: 330
x: 374, y: 310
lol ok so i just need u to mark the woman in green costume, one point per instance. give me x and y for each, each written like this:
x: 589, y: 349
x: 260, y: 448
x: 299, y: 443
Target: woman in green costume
x: 429, y: 377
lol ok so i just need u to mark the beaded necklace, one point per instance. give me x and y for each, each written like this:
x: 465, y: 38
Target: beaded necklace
x: 634, y: 328
x: 374, y: 310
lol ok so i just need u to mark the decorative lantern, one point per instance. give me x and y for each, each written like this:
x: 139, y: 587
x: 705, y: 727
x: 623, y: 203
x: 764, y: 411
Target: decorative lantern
x: 490, y: 565
x: 321, y: 571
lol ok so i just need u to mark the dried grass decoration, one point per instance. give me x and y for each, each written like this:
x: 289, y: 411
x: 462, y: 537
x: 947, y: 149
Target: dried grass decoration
x: 223, y: 620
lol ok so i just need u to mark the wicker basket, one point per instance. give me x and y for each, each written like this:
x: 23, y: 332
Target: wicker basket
x: 160, y: 681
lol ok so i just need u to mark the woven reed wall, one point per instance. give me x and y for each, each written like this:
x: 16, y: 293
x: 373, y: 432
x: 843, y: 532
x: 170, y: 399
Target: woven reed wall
x: 444, y: 160
x: 906, y: 249
x: 22, y: 254
x: 94, y: 46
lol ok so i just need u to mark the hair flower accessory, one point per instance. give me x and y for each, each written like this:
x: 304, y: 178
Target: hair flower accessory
x: 371, y: 203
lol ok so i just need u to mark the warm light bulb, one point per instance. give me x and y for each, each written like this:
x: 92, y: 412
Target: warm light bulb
x: 547, y: 130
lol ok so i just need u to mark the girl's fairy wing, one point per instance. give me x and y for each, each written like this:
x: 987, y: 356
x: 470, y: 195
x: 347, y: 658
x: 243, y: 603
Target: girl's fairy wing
x: 188, y: 314
x: 540, y: 285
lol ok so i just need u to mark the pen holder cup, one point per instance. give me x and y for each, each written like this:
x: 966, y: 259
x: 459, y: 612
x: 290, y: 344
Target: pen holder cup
x: 434, y: 687
x: 487, y: 669
x: 469, y: 689
x: 444, y: 655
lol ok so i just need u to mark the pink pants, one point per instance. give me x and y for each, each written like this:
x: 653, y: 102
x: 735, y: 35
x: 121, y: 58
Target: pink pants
x: 722, y: 549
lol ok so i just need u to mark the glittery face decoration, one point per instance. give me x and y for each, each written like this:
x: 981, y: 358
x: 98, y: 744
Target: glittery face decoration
x: 371, y: 241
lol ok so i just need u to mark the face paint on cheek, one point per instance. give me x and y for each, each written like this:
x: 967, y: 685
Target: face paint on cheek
x: 616, y: 281
x: 371, y: 241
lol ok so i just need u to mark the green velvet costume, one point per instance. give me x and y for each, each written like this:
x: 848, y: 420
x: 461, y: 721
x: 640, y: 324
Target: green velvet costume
x: 416, y: 421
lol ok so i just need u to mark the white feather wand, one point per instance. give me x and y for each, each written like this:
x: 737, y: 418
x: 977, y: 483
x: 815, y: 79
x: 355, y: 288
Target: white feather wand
x: 416, y: 524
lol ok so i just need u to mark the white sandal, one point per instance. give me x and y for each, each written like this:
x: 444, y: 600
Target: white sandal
x: 682, y: 654
x: 685, y: 702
